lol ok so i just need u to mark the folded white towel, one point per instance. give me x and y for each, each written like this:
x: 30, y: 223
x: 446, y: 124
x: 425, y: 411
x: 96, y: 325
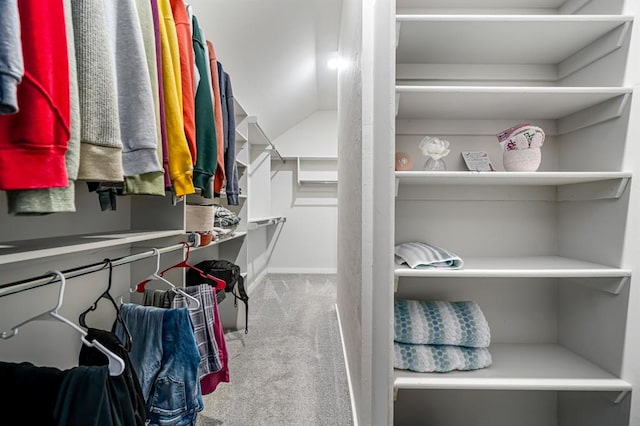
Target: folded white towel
x: 426, y: 255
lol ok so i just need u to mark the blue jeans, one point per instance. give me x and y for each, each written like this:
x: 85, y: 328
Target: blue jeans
x: 165, y: 356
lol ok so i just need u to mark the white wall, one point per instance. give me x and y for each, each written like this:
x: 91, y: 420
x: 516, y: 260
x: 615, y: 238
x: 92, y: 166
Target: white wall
x: 365, y: 217
x: 269, y: 50
x: 308, y: 241
x: 350, y: 213
x: 315, y: 136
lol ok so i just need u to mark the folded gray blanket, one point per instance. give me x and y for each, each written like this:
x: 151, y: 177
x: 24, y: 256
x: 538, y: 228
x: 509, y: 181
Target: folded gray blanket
x: 440, y: 323
x: 426, y: 255
x: 439, y: 359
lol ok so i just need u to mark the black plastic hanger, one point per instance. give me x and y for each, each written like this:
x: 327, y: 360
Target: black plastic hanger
x: 107, y: 295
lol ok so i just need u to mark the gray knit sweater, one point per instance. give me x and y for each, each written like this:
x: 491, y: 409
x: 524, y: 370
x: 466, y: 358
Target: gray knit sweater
x: 101, y: 144
x: 57, y: 200
x: 135, y: 101
x: 11, y: 64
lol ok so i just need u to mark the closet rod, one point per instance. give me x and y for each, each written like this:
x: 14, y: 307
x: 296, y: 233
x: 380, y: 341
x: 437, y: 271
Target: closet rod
x: 42, y: 280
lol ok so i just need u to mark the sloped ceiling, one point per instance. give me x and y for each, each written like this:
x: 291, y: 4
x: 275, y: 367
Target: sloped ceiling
x: 276, y: 52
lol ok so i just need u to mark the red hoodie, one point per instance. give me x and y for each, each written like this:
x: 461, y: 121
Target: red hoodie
x: 33, y: 142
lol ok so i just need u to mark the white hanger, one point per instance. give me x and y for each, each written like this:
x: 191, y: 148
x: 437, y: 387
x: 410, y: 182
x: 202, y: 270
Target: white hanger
x: 116, y: 364
x: 192, y: 302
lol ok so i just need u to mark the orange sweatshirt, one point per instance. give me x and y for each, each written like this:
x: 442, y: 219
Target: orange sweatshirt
x: 185, y: 44
x: 218, y: 180
x: 180, y: 161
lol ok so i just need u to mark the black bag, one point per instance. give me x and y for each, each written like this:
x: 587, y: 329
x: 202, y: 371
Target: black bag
x: 228, y: 272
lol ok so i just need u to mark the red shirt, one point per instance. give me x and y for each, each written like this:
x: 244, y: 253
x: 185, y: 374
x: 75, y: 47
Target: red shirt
x: 33, y: 142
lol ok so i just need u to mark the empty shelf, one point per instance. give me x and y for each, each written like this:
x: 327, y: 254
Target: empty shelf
x: 503, y: 103
x: 519, y: 267
x: 480, y: 39
x: 37, y: 248
x: 521, y: 367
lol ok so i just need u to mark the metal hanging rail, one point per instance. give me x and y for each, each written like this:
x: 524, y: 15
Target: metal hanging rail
x: 46, y: 279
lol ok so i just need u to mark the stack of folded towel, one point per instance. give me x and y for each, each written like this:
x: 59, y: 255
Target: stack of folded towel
x: 439, y: 336
x: 426, y: 255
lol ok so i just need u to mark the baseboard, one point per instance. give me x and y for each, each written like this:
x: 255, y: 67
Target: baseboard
x: 322, y: 271
x: 256, y: 281
x: 352, y: 397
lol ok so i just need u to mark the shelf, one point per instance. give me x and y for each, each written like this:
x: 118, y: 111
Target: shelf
x: 486, y: 4
x: 241, y: 164
x: 260, y: 222
x: 513, y: 103
x: 506, y: 178
x: 573, y: 186
x: 480, y: 39
x: 317, y: 170
x: 543, y: 367
x: 240, y: 137
x: 221, y: 240
x: 519, y: 267
x: 18, y: 251
x: 238, y: 109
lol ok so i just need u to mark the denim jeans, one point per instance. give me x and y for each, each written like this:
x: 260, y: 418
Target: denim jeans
x: 165, y: 356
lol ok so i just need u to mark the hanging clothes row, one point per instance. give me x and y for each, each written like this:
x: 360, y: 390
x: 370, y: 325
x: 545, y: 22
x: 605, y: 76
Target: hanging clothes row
x: 129, y: 97
x: 152, y: 369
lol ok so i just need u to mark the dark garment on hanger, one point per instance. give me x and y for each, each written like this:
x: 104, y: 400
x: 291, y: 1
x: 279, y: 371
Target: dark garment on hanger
x: 229, y: 120
x: 19, y: 382
x: 85, y: 398
x: 133, y: 406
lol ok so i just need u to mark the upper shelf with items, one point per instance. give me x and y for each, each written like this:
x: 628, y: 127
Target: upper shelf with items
x: 571, y: 186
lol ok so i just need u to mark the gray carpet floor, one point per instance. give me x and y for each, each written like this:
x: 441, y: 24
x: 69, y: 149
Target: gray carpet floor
x: 289, y: 369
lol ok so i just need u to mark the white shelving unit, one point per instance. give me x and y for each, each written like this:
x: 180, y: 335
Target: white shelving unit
x: 255, y: 163
x: 466, y: 70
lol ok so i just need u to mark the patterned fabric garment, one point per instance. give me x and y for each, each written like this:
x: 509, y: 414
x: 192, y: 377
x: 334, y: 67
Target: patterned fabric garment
x: 440, y: 323
x: 224, y: 218
x: 439, y: 359
x: 203, y: 321
x: 426, y: 255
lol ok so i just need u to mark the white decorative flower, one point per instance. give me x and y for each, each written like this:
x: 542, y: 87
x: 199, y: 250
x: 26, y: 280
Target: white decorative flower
x: 434, y: 147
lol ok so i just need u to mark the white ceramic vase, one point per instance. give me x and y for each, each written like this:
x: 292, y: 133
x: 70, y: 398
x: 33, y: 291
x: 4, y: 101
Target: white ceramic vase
x: 522, y: 160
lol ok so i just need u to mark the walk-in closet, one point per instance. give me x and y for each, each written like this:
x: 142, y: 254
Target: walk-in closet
x: 319, y: 212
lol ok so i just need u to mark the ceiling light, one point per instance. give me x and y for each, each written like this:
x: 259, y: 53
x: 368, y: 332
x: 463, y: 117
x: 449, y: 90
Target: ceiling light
x: 336, y: 62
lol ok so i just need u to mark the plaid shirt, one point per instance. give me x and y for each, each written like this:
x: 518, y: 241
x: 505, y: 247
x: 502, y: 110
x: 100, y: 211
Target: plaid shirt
x: 202, y: 320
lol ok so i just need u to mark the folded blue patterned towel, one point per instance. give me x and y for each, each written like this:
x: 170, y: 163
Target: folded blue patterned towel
x: 421, y: 322
x: 426, y: 255
x: 439, y: 359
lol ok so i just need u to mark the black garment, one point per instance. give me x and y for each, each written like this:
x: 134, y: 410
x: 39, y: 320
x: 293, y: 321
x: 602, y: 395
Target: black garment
x: 84, y: 398
x: 20, y: 383
x: 126, y: 393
